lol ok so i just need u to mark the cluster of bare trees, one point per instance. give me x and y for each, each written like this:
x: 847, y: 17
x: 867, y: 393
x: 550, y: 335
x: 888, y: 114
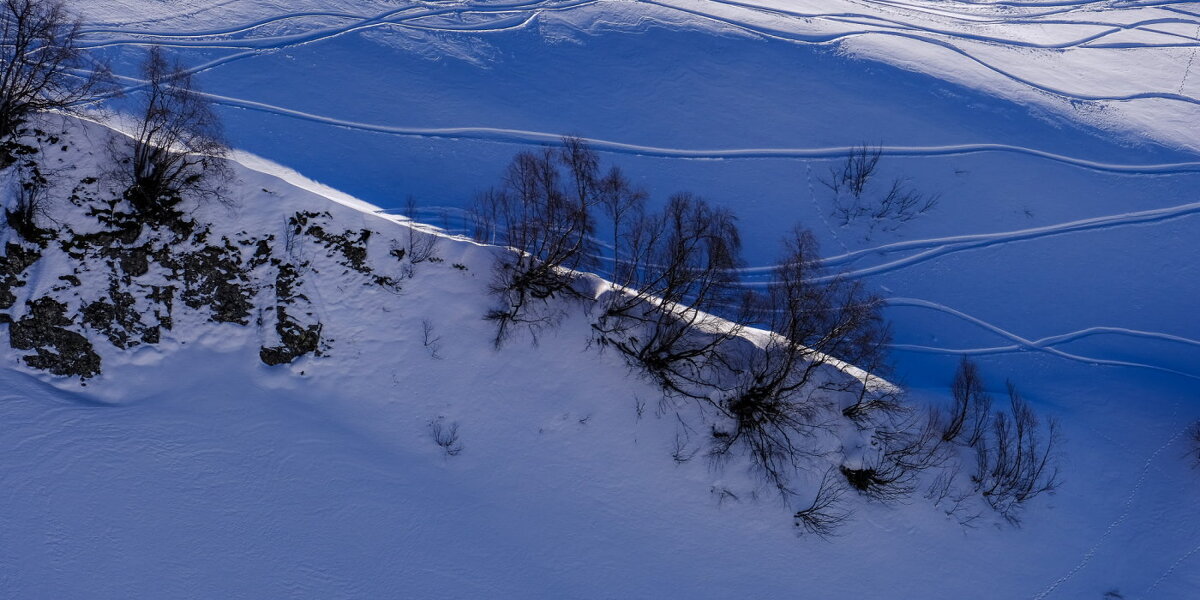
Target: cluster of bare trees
x: 674, y: 270
x: 1015, y: 452
x: 765, y: 394
x: 171, y: 152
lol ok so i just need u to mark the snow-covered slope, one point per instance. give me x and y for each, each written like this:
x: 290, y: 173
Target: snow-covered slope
x: 1060, y: 136
x: 189, y: 468
x: 431, y: 99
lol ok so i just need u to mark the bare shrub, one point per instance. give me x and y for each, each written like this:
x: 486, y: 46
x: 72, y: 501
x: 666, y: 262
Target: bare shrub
x: 422, y: 246
x: 41, y: 62
x: 908, y: 443
x: 851, y: 185
x: 176, y: 147
x: 900, y: 205
x: 1017, y: 460
x: 856, y: 171
x: 542, y: 212
x: 826, y: 512
x: 968, y: 418
x: 446, y: 436
x: 884, y: 482
x: 432, y: 341
x: 955, y: 502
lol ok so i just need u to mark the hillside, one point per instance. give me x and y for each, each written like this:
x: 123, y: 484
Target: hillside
x: 262, y: 422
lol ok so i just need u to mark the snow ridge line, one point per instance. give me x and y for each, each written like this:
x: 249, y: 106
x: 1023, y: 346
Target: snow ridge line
x: 285, y: 41
x: 1030, y: 344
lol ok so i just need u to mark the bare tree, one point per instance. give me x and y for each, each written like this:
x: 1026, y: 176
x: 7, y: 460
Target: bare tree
x: 814, y: 321
x: 968, y: 418
x: 176, y: 146
x: 678, y: 269
x: 1017, y: 460
x: 621, y: 202
x: 41, y: 62
x: 543, y: 213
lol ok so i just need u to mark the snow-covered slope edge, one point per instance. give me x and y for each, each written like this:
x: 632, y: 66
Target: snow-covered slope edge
x: 190, y: 468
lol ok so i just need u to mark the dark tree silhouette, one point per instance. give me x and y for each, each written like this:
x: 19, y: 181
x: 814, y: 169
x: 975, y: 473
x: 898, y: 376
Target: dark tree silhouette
x: 41, y: 65
x: 176, y: 147
x: 543, y: 214
x: 1017, y: 460
x: 677, y: 269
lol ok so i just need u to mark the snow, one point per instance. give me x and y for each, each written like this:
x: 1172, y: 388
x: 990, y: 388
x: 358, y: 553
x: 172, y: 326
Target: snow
x: 1060, y: 135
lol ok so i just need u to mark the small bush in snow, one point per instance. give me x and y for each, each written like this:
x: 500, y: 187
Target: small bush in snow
x: 29, y: 204
x: 1017, y: 458
x: 446, y: 436
x: 852, y: 198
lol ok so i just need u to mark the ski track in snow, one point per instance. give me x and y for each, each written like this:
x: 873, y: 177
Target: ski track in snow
x: 932, y: 248
x: 937, y: 247
x: 1055, y: 340
x: 1040, y: 87
x: 539, y: 138
x: 879, y: 26
x: 1033, y: 344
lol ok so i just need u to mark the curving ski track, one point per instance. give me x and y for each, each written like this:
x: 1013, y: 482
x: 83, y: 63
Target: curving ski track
x: 792, y: 31
x: 1027, y: 344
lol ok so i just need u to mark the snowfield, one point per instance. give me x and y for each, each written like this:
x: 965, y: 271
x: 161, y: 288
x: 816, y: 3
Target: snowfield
x: 1061, y: 138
